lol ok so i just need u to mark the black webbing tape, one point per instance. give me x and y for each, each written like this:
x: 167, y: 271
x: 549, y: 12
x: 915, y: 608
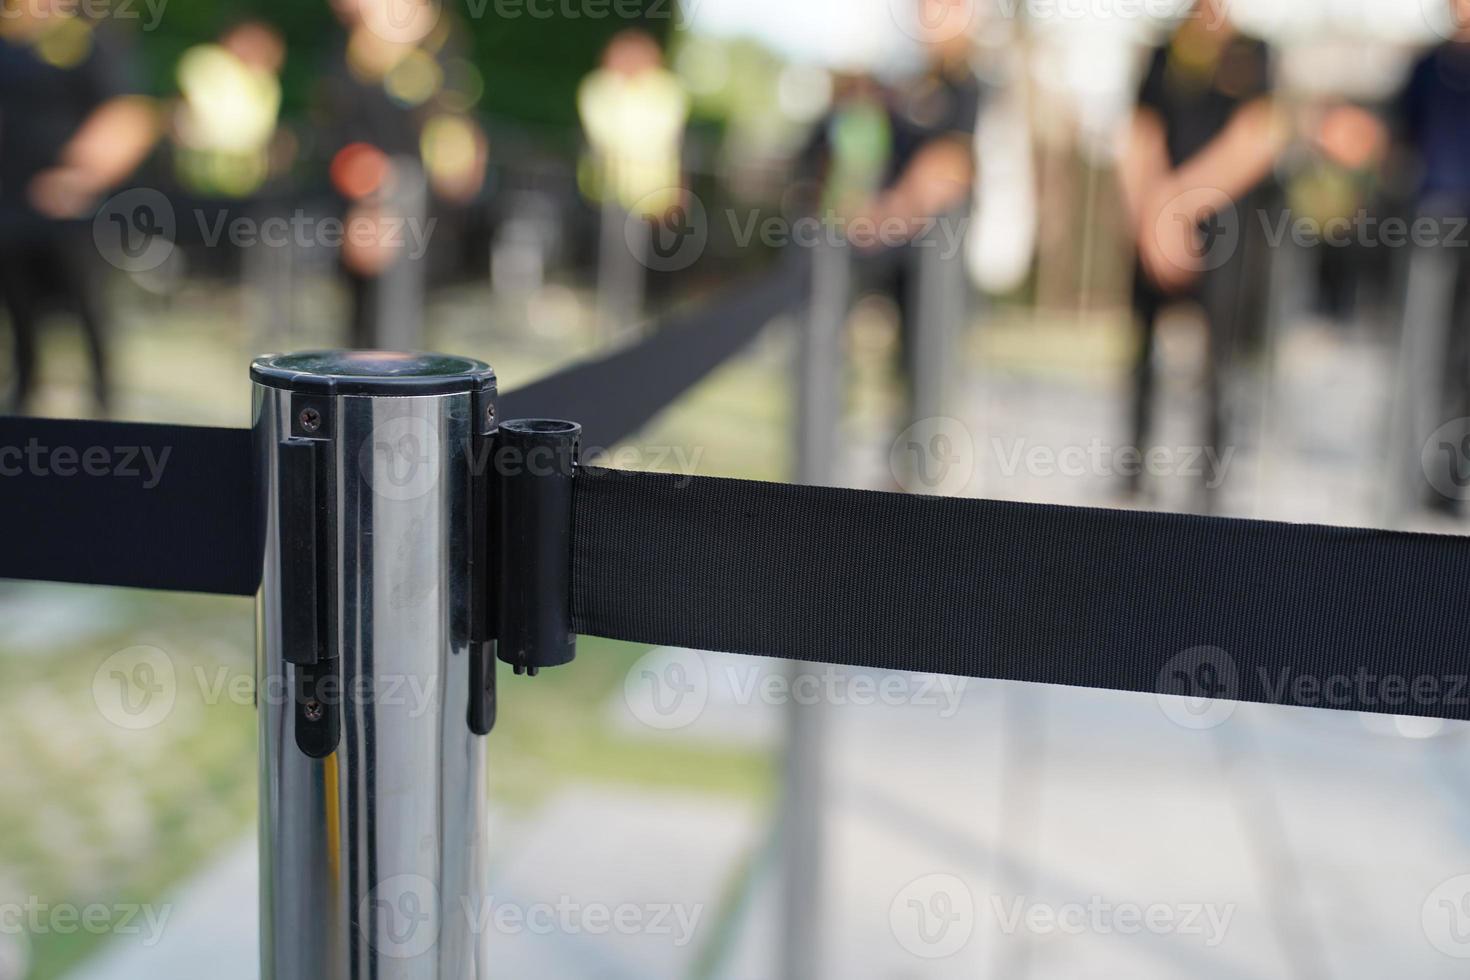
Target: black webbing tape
x: 614, y: 396
x: 1132, y: 601
x: 123, y: 503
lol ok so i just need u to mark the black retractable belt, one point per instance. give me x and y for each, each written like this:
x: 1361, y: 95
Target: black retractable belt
x: 123, y: 503
x: 1133, y: 601
x: 615, y: 395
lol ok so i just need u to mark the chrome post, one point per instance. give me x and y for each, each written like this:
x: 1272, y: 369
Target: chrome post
x: 372, y: 783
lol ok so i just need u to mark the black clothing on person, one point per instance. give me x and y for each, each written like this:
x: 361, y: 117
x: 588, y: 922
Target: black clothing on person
x: 1194, y: 96
x: 47, y: 92
x: 42, y: 105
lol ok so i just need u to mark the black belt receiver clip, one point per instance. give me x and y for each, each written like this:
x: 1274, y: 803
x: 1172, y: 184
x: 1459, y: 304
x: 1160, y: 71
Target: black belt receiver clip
x: 535, y: 464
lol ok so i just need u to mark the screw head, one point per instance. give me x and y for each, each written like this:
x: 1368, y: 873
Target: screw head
x: 490, y: 414
x: 311, y: 419
x: 312, y: 710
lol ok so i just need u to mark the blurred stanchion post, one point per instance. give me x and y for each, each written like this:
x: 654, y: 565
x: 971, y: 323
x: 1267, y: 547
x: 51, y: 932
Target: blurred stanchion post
x: 269, y: 272
x: 370, y: 627
x: 936, y: 301
x: 402, y: 288
x: 622, y: 256
x: 818, y: 397
x: 1428, y: 297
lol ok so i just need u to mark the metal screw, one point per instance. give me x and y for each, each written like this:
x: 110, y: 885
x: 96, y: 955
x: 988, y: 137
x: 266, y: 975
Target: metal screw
x: 313, y: 710
x: 490, y: 414
x: 311, y: 419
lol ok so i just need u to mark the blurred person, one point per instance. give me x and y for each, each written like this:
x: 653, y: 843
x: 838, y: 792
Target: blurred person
x: 229, y: 107
x: 633, y: 111
x: 929, y: 172
x: 1433, y: 124
x: 1204, y: 135
x: 397, y: 146
x: 73, y: 127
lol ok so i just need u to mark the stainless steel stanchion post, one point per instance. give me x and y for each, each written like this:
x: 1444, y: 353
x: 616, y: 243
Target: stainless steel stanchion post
x: 622, y: 274
x: 1418, y: 379
x: 818, y: 398
x: 371, y: 623
x: 937, y: 303
x: 398, y: 319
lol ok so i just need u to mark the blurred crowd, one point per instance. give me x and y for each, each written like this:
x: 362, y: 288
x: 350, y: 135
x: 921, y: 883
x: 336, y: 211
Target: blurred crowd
x: 394, y: 137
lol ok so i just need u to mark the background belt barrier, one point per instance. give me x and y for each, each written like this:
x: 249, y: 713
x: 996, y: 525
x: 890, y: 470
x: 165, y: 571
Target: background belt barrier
x: 1132, y: 601
x: 613, y: 396
x: 123, y: 503
x: 171, y: 506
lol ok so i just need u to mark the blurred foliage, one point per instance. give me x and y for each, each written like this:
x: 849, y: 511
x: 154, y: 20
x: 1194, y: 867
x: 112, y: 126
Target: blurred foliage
x: 533, y: 53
